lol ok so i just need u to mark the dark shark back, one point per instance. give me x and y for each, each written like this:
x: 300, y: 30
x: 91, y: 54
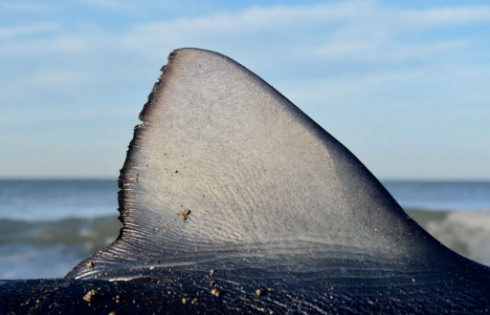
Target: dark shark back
x: 226, y: 174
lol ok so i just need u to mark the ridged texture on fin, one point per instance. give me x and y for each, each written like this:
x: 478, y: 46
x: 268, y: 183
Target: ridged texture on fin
x: 225, y: 168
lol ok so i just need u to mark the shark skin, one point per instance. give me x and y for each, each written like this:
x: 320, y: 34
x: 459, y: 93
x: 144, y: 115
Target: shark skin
x: 235, y: 201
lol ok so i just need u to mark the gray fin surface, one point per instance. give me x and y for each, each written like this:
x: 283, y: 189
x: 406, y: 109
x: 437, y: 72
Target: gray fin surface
x: 224, y: 170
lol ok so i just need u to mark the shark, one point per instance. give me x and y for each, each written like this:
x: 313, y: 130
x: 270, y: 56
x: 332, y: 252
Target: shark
x: 234, y: 201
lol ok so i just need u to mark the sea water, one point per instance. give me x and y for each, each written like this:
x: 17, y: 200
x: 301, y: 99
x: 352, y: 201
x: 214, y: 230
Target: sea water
x: 48, y: 226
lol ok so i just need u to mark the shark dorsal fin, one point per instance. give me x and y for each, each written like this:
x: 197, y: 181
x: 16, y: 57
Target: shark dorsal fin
x: 224, y: 167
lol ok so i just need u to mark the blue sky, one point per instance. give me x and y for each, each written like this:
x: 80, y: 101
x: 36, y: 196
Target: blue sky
x: 405, y: 86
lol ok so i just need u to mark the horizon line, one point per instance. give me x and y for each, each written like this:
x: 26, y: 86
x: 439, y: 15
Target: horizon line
x: 390, y: 179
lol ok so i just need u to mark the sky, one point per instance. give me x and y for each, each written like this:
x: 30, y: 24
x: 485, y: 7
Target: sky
x: 404, y: 85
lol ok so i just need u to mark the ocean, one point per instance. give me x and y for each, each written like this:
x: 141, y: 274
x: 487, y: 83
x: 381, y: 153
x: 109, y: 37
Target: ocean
x: 48, y: 226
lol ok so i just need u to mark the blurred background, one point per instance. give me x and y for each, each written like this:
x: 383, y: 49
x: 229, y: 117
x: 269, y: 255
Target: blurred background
x: 403, y: 85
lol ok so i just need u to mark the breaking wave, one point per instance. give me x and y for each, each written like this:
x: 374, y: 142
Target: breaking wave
x: 467, y: 233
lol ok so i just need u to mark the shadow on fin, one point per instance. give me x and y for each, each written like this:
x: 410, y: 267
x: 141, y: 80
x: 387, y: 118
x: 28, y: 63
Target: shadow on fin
x: 224, y: 170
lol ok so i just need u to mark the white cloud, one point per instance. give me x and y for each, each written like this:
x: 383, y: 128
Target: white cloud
x: 366, y: 51
x: 60, y: 82
x: 252, y: 21
x: 64, y: 45
x: 362, y: 31
x: 360, y: 13
x: 27, y: 7
x: 444, y: 17
x: 112, y: 5
x: 135, y: 8
x: 23, y: 30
